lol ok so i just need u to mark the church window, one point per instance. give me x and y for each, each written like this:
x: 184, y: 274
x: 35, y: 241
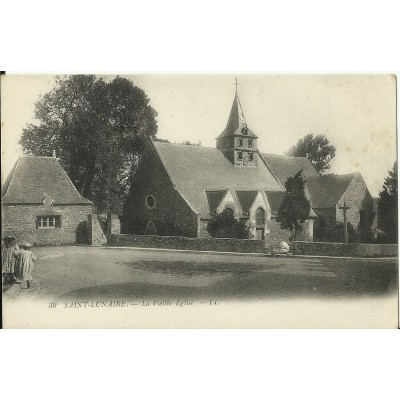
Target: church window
x: 150, y: 201
x: 250, y: 143
x: 240, y: 155
x: 260, y: 216
x: 245, y: 130
x: 240, y: 142
x: 250, y: 156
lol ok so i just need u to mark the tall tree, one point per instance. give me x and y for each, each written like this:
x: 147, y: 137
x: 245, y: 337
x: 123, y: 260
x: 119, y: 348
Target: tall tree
x: 316, y: 148
x: 295, y: 207
x: 388, y: 207
x: 97, y: 130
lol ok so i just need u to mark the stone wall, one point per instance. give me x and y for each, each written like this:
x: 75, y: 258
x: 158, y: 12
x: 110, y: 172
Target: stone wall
x: 183, y: 243
x: 273, y: 237
x: 276, y: 234
x: 346, y: 249
x: 113, y: 225
x: 171, y: 215
x: 96, y: 235
x: 20, y: 221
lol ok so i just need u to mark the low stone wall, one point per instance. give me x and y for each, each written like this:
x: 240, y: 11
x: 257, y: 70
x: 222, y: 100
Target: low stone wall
x: 184, y: 243
x: 346, y: 249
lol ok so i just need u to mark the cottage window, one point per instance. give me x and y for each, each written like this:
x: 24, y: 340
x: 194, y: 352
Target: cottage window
x: 250, y: 143
x: 244, y: 130
x: 251, y: 156
x: 48, y: 221
x: 240, y: 142
x: 150, y: 201
x: 240, y: 155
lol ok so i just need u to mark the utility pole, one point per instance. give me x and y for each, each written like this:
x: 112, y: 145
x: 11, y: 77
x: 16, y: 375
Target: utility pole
x: 345, y: 208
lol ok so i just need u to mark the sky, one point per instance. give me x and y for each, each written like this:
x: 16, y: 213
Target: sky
x: 357, y: 113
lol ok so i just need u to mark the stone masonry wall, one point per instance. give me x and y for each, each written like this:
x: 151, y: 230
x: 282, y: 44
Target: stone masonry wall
x: 184, y: 243
x: 171, y: 214
x: 346, y: 249
x: 19, y: 221
x: 276, y: 234
x: 96, y: 236
x: 273, y: 238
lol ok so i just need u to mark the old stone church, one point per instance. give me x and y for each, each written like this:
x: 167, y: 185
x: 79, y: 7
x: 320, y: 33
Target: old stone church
x: 178, y: 188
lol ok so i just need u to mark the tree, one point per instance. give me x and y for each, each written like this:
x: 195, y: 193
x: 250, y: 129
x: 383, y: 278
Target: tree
x: 316, y: 148
x: 295, y: 207
x: 97, y: 130
x: 225, y: 225
x: 387, y: 207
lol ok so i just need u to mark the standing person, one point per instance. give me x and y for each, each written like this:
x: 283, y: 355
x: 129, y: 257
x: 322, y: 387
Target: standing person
x: 24, y: 265
x: 8, y: 250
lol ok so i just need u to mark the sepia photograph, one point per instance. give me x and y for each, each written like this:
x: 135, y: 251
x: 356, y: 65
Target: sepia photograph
x: 199, y: 201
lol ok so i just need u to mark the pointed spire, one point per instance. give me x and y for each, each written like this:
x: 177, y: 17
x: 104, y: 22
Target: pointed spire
x: 236, y: 121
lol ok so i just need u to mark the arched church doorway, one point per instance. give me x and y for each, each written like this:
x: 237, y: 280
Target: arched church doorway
x: 260, y: 223
x: 150, y: 229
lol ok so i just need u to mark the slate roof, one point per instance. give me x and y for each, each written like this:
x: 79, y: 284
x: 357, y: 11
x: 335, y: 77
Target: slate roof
x: 327, y: 190
x: 196, y: 169
x: 285, y: 167
x: 275, y: 200
x: 33, y: 176
x: 246, y: 199
x: 236, y: 121
x: 214, y: 198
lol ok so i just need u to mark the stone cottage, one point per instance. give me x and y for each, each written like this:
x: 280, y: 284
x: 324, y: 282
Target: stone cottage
x: 41, y: 205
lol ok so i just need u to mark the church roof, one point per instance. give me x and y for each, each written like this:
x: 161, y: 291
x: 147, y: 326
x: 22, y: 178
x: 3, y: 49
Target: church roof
x: 327, y: 190
x: 196, y: 170
x: 246, y: 199
x: 214, y: 198
x: 285, y: 167
x: 236, y: 121
x: 275, y: 200
x: 33, y: 176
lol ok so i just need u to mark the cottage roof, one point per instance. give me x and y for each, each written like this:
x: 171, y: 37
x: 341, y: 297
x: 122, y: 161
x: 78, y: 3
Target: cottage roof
x: 327, y: 190
x: 195, y: 170
x: 285, y: 167
x: 32, y: 177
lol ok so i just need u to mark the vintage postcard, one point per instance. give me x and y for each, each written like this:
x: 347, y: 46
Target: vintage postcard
x: 199, y: 201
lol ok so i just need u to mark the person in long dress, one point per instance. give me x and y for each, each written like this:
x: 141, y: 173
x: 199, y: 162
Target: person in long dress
x: 24, y: 265
x: 8, y: 250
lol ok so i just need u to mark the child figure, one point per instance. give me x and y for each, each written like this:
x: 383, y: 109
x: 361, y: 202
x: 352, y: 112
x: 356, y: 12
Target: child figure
x: 8, y: 250
x: 24, y: 265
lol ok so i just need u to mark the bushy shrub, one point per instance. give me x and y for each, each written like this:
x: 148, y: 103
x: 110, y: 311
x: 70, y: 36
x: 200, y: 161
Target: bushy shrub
x: 225, y: 225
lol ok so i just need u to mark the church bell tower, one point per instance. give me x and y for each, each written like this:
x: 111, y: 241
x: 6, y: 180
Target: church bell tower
x: 237, y: 142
